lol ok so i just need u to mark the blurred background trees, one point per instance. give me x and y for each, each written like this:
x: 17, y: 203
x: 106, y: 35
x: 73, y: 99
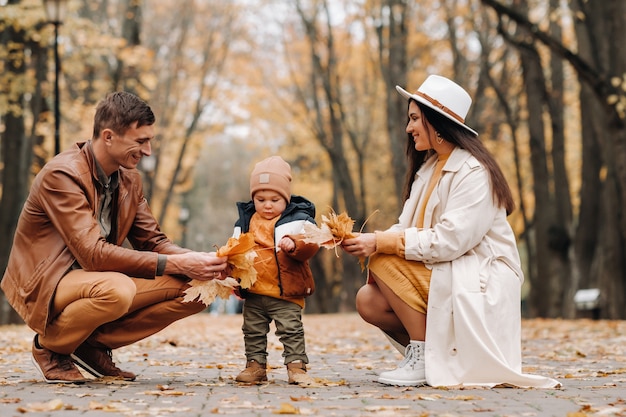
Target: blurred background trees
x: 234, y: 81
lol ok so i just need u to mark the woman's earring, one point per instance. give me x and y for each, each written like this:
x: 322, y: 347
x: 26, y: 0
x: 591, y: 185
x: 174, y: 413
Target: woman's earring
x: 439, y: 139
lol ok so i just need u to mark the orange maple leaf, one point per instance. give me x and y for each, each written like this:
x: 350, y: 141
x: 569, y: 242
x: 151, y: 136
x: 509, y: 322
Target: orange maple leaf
x: 237, y: 245
x: 332, y: 232
x: 241, y: 254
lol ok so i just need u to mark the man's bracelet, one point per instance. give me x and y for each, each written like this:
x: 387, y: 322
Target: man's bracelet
x: 161, y: 262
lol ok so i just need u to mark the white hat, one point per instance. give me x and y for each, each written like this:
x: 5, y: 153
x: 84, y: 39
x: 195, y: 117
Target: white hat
x: 444, y: 96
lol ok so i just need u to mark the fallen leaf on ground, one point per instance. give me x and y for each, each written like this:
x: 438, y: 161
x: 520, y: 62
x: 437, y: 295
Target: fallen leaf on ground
x: 168, y: 393
x: 52, y: 405
x: 10, y: 400
x: 307, y: 381
x: 286, y: 408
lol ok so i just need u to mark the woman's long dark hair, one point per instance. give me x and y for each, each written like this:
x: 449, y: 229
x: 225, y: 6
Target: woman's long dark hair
x: 464, y: 139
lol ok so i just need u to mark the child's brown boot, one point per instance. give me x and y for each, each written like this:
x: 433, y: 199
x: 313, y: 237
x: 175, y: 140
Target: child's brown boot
x: 296, y: 371
x: 254, y: 373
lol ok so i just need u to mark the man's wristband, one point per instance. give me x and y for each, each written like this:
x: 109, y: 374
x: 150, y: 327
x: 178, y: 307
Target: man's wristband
x: 161, y: 263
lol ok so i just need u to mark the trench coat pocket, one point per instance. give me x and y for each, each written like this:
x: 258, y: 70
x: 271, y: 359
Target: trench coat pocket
x: 493, y: 266
x: 466, y: 272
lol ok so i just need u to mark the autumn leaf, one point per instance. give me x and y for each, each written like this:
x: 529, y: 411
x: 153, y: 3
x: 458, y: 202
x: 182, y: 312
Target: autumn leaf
x: 332, y: 231
x: 242, y: 268
x: 286, y: 408
x: 52, y: 405
x: 237, y: 245
x: 241, y: 254
x: 166, y: 393
x: 207, y: 291
x: 306, y: 381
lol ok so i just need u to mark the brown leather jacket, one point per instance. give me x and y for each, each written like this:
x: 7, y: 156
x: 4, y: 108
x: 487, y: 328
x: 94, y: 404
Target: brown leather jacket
x: 58, y: 226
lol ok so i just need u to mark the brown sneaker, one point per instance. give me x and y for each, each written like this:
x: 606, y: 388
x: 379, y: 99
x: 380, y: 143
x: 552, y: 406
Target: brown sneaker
x: 296, y: 371
x: 99, y: 362
x: 54, y: 367
x: 254, y: 373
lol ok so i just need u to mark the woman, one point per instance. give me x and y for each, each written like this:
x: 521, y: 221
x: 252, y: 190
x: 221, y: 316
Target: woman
x: 444, y: 282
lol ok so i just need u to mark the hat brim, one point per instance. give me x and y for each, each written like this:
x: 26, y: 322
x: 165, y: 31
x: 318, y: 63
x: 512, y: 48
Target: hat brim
x: 425, y: 102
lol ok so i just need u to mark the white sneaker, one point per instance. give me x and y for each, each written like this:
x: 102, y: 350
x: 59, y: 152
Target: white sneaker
x: 411, y: 371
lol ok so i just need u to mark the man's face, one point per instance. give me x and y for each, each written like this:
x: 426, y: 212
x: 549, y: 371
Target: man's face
x: 127, y: 150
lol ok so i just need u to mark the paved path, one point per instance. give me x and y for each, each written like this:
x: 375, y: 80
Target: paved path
x: 189, y: 369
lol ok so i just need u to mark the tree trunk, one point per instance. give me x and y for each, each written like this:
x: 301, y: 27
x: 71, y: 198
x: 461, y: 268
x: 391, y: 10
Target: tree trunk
x: 594, y: 194
x: 326, y: 111
x: 392, y: 50
x: 600, y: 64
x: 16, y: 148
x: 601, y: 238
x: 544, y: 289
x: 562, y: 230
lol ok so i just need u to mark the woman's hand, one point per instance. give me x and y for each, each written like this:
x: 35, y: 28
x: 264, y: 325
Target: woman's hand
x: 361, y: 246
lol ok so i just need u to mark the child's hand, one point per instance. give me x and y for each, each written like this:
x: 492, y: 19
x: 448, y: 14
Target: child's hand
x: 287, y: 244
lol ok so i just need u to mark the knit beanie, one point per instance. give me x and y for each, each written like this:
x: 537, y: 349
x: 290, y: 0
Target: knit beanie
x: 273, y: 174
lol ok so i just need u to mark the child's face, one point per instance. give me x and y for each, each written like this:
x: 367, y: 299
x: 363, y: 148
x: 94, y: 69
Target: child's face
x: 269, y: 204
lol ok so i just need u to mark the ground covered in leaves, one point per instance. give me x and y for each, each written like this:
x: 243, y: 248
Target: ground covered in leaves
x: 189, y: 370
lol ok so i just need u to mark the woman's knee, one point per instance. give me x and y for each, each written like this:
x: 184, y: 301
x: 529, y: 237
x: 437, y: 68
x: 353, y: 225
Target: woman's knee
x: 368, y: 303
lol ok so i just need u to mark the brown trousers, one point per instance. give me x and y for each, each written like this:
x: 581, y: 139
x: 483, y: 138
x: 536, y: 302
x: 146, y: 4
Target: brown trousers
x: 110, y: 309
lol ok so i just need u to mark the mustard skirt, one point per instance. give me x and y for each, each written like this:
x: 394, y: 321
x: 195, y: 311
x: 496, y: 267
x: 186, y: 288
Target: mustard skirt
x: 409, y: 280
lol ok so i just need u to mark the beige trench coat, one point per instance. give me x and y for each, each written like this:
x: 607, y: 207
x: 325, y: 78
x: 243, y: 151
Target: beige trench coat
x: 473, y: 333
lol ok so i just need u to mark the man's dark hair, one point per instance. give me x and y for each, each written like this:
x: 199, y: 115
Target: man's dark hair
x: 119, y: 110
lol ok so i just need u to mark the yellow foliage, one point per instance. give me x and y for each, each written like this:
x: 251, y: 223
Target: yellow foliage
x: 241, y: 254
x: 207, y: 291
x: 332, y: 232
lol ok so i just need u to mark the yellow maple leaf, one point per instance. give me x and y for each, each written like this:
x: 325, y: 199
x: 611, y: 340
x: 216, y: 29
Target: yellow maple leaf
x: 334, y: 229
x: 237, y: 245
x: 321, y: 235
x: 240, y: 253
x: 207, y: 291
x: 340, y: 225
x: 243, y: 268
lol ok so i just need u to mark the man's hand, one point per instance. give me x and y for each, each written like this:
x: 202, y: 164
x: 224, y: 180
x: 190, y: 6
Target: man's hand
x: 202, y: 266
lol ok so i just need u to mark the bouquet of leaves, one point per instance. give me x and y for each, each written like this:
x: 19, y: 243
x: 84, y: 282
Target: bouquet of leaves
x: 335, y: 228
x: 241, y: 254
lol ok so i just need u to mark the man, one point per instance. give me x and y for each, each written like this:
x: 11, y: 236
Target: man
x: 69, y: 275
